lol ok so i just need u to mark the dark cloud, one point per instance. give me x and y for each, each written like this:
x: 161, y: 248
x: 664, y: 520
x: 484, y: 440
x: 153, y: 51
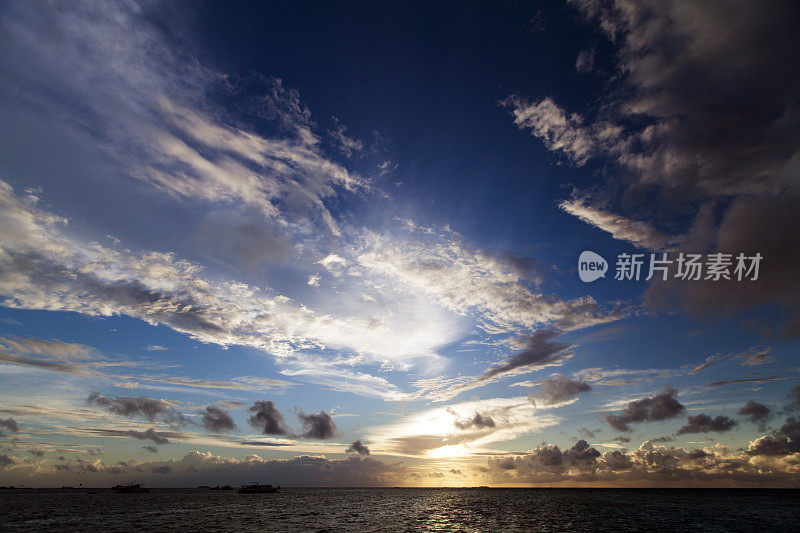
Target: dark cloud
x: 784, y: 441
x: 140, y: 406
x: 763, y: 224
x: 88, y: 466
x: 478, y: 421
x: 662, y: 406
x: 504, y: 464
x: 456, y: 472
x: 159, y: 437
x: 161, y: 469
x: 541, y: 351
x: 617, y: 460
x: 581, y: 452
x: 550, y: 458
x: 36, y: 453
x: 317, y: 425
x: 216, y: 419
x: 150, y: 434
x: 357, y: 447
x: 695, y: 123
x: 55, y: 366
x: 558, y: 389
x: 757, y: 413
x: 745, y: 380
x: 721, y: 109
x: 5, y: 461
x: 794, y: 398
x: 10, y: 424
x: 549, y: 455
x: 267, y: 418
x: 703, y: 423
x: 622, y: 439
x: 151, y: 449
x: 648, y: 463
x: 265, y: 443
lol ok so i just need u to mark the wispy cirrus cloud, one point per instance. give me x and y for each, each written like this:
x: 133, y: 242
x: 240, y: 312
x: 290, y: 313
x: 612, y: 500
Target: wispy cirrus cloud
x: 540, y: 351
x: 81, y: 360
x: 637, y: 232
x: 752, y: 357
x: 140, y: 406
x: 158, y: 437
x: 292, y: 170
x: 744, y: 380
x: 151, y: 111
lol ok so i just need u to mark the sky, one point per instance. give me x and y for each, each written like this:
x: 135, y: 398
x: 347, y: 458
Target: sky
x: 322, y: 244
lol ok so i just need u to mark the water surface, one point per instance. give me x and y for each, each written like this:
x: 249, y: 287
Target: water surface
x: 399, y: 509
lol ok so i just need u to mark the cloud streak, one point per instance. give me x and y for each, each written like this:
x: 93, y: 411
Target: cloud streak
x: 141, y: 406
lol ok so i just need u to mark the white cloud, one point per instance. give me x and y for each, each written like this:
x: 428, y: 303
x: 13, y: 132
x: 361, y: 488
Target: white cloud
x: 155, y: 348
x: 112, y: 75
x: 293, y: 170
x: 559, y: 131
x: 43, y: 268
x: 635, y: 232
x: 347, y: 144
x: 470, y: 282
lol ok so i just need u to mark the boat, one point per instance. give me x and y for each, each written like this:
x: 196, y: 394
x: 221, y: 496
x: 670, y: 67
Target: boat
x: 255, y: 488
x: 130, y: 488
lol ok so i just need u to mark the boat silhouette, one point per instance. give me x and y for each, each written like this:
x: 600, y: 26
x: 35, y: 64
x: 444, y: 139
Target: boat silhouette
x: 255, y: 488
x: 130, y: 488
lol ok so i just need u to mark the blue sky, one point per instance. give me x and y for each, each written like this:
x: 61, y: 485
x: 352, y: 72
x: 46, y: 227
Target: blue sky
x: 239, y: 239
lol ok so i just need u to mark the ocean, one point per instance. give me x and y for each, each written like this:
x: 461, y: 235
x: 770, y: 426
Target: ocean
x: 403, y: 509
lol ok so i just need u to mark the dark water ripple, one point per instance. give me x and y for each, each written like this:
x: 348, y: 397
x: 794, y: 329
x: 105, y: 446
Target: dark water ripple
x: 396, y: 509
